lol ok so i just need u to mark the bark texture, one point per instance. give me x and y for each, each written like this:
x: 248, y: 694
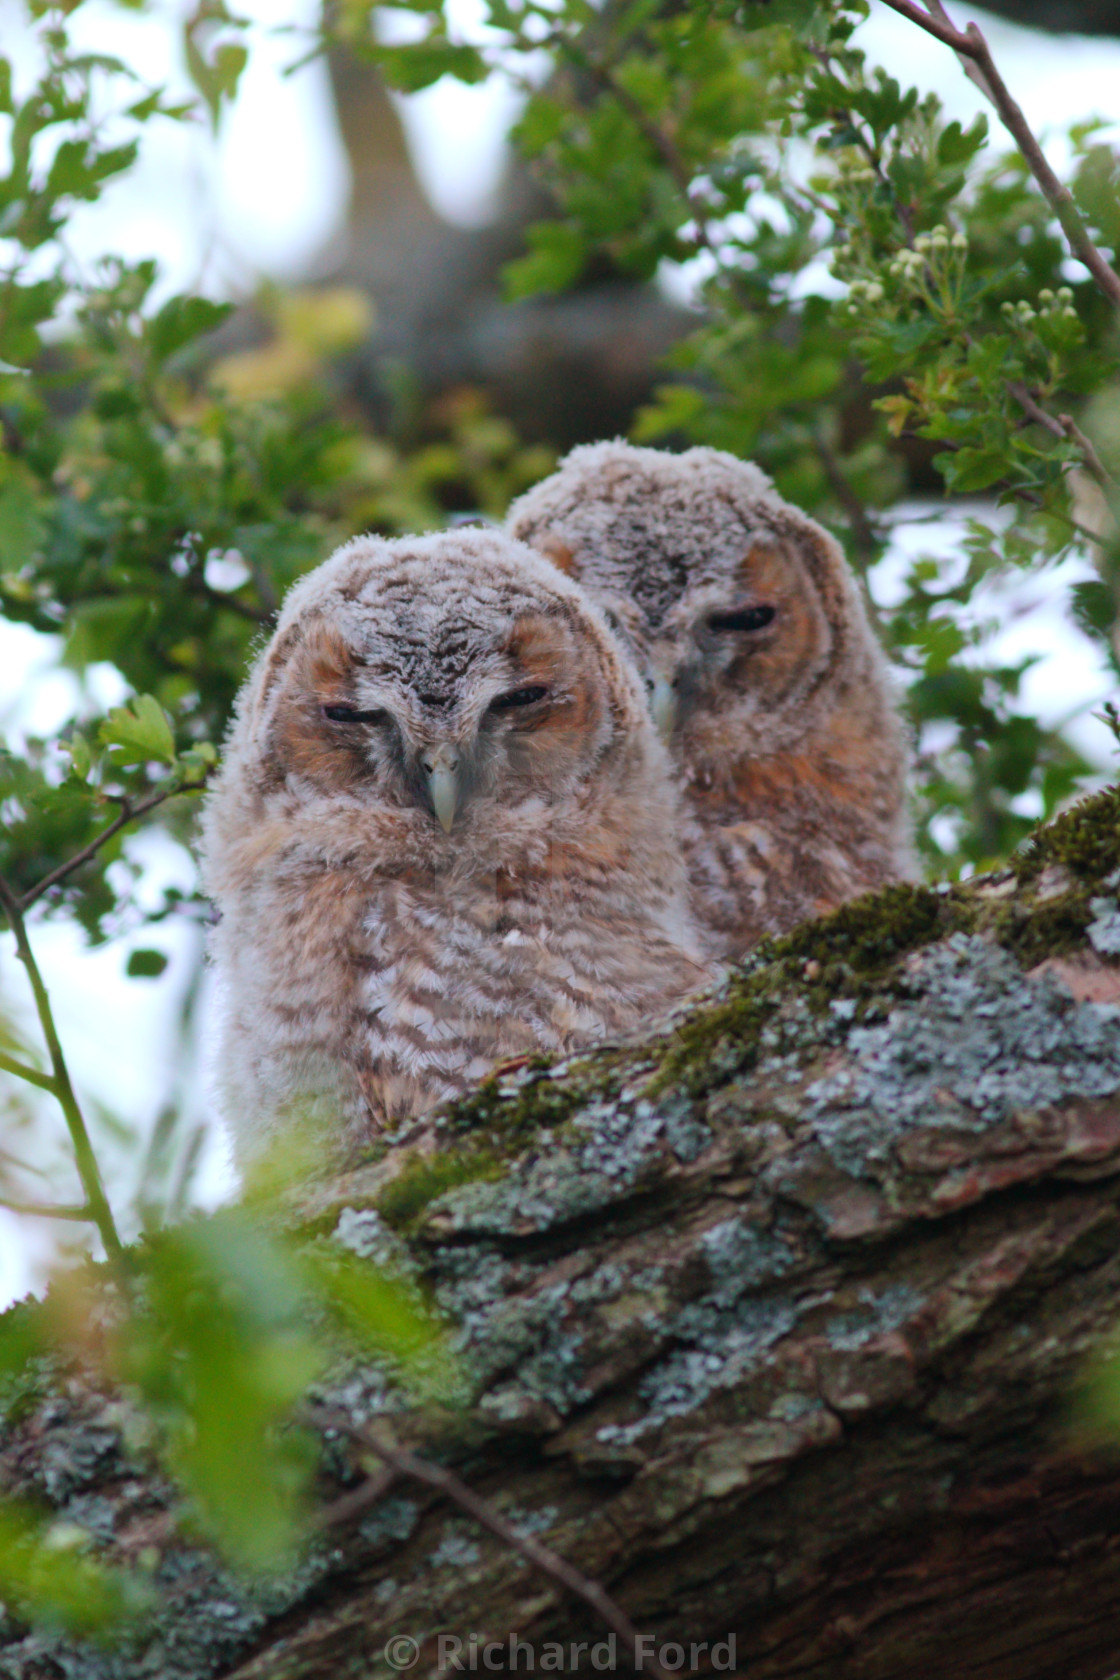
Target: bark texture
x: 774, y: 1323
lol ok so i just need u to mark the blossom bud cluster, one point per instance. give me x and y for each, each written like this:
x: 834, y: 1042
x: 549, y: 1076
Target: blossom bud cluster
x: 1053, y: 305
x: 863, y: 292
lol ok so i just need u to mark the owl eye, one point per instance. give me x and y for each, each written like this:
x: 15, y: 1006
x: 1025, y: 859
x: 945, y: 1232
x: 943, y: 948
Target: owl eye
x: 747, y: 618
x: 518, y: 697
x: 348, y: 714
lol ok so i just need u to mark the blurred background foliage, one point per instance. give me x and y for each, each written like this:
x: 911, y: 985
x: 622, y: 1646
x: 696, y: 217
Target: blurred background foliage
x: 882, y: 312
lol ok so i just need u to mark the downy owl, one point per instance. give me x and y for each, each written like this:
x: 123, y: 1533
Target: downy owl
x: 444, y: 834
x: 762, y: 670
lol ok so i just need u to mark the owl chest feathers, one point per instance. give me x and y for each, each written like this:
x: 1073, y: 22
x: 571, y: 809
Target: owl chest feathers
x: 406, y: 965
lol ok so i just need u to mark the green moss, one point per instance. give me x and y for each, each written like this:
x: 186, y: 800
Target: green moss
x: 1085, y: 840
x: 508, y: 1119
x: 711, y: 1046
x: 872, y: 931
x: 404, y: 1199
x: 1034, y: 933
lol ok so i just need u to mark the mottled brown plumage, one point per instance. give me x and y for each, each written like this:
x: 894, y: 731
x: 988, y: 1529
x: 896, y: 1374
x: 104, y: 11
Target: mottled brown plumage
x: 444, y: 834
x: 762, y: 670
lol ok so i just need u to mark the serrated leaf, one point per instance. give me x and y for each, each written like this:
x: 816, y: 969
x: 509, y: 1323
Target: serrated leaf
x: 138, y: 733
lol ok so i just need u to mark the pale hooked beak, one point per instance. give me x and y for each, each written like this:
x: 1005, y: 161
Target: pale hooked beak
x: 663, y: 707
x: 441, y: 772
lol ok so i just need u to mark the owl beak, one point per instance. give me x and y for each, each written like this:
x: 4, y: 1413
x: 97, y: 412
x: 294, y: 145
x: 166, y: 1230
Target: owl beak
x: 441, y: 772
x: 663, y: 707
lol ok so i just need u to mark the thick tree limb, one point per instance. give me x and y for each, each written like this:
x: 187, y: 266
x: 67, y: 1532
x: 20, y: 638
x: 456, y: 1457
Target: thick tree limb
x: 774, y: 1326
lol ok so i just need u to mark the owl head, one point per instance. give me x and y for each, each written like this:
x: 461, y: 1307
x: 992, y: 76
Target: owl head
x: 740, y: 610
x: 442, y: 697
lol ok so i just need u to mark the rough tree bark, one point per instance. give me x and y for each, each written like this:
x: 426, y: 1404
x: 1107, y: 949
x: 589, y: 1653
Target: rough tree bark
x: 774, y: 1321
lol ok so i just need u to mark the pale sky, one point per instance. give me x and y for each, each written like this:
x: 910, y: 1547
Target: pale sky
x: 268, y: 198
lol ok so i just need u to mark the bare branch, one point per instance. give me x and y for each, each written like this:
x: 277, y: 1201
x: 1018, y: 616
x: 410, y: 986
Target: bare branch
x: 1092, y: 460
x: 1032, y: 410
x: 49, y: 1210
x: 129, y: 812
x: 971, y: 44
x: 353, y: 1505
x: 548, y: 1562
x: 9, y: 1064
x: 866, y: 542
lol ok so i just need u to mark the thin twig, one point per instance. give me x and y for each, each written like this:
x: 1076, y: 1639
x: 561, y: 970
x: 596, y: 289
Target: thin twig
x: 224, y: 598
x: 85, y: 1160
x: 1092, y: 460
x: 1033, y: 412
x: 129, y: 813
x: 550, y: 1563
x: 350, y: 1506
x: 9, y: 1064
x: 863, y: 532
x: 48, y: 1210
x: 971, y: 44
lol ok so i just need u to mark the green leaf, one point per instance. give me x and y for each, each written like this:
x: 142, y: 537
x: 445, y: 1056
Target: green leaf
x: 22, y: 522
x: 106, y: 629
x: 385, y: 1317
x: 145, y: 964
x: 47, y: 1576
x: 138, y: 733
x: 558, y: 254
x: 181, y: 320
x: 222, y: 1356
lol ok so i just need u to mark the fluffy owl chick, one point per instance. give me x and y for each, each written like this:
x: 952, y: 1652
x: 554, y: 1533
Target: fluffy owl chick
x: 444, y: 834
x: 762, y: 671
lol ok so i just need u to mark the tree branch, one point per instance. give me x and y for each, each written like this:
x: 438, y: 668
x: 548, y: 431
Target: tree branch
x: 9, y: 1064
x: 99, y: 1211
x: 971, y: 45
x: 129, y: 813
x: 866, y: 542
x: 48, y: 1210
x: 549, y: 1563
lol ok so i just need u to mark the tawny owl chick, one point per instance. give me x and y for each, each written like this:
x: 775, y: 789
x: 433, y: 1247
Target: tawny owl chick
x: 445, y: 834
x: 762, y: 672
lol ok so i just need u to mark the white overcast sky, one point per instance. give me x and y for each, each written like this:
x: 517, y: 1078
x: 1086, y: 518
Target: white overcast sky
x: 268, y: 198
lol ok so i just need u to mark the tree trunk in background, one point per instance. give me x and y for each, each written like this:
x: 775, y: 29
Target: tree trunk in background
x: 773, y: 1321
x: 563, y: 369
x: 1062, y: 17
